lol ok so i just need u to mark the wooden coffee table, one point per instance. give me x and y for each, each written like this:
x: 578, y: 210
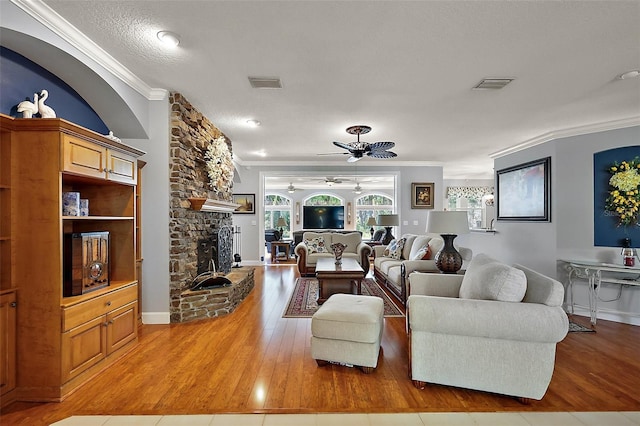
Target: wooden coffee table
x: 334, y: 278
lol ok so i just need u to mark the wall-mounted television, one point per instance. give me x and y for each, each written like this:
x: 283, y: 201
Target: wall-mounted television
x: 323, y: 217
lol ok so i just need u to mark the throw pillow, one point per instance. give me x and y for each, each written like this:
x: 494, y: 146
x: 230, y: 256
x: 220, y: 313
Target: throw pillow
x: 316, y: 245
x: 396, y: 253
x: 424, y: 253
x: 393, y: 244
x: 488, y: 279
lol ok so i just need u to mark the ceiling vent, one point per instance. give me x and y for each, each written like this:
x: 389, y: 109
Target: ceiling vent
x: 492, y: 83
x: 265, y: 82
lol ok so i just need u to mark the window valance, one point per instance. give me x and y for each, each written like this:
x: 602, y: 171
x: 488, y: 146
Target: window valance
x: 469, y: 191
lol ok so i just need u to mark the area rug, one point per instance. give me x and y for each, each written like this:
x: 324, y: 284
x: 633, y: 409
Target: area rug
x: 577, y: 328
x: 303, y: 302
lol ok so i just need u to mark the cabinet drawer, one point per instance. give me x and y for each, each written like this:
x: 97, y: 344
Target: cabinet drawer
x: 78, y: 314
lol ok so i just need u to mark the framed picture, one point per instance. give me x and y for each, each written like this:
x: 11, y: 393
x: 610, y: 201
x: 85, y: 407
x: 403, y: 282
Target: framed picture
x: 422, y: 195
x: 523, y: 191
x: 247, y: 203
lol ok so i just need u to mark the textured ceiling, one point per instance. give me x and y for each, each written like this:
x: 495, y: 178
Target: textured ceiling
x: 404, y: 68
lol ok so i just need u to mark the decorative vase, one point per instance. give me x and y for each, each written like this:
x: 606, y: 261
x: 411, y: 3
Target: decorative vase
x: 448, y: 260
x: 338, y: 249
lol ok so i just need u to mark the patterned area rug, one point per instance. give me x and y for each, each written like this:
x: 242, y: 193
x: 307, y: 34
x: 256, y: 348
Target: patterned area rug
x: 303, y: 304
x: 577, y: 328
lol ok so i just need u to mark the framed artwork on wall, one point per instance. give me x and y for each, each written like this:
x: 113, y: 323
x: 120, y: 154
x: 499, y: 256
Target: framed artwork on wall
x: 247, y: 203
x: 422, y: 195
x: 523, y: 192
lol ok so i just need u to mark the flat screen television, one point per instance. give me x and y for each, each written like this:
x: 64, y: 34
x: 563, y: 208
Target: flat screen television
x: 323, y: 217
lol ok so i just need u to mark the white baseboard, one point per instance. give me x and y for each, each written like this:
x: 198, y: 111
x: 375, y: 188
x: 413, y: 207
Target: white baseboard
x: 608, y: 315
x: 156, y: 318
x: 252, y: 263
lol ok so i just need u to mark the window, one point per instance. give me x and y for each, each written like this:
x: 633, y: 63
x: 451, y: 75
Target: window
x: 323, y: 200
x: 275, y: 207
x: 371, y: 205
x: 474, y: 200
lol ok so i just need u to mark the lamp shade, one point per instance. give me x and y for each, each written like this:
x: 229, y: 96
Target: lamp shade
x: 388, y: 220
x: 281, y: 222
x: 447, y: 222
x: 371, y: 221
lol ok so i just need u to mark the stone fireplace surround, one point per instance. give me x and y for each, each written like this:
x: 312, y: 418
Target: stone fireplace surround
x: 191, y: 132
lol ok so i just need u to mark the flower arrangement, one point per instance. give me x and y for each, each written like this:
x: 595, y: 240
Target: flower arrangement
x: 624, y: 198
x: 219, y: 165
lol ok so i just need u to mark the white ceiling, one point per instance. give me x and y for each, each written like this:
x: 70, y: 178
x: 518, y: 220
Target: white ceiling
x: 404, y: 68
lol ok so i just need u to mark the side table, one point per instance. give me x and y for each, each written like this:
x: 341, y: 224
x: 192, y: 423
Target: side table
x: 274, y: 250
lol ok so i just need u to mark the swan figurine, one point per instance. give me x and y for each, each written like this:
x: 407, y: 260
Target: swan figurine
x: 45, y: 110
x: 28, y: 108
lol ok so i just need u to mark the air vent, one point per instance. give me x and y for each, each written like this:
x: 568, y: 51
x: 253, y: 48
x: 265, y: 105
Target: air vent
x: 265, y: 82
x: 492, y: 83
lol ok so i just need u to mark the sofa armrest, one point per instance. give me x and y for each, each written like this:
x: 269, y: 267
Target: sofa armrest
x: 527, y: 322
x: 364, y: 251
x: 434, y: 284
x: 419, y: 265
x: 301, y: 249
x: 379, y: 250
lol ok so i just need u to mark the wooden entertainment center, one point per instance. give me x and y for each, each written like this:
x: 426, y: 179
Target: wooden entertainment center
x: 57, y: 342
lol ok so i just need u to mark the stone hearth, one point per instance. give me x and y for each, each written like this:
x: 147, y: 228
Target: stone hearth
x: 216, y: 302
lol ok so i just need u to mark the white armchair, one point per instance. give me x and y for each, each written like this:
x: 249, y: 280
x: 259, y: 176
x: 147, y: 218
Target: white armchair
x: 500, y: 345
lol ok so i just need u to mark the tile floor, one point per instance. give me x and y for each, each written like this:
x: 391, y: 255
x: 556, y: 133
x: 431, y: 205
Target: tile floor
x: 401, y: 419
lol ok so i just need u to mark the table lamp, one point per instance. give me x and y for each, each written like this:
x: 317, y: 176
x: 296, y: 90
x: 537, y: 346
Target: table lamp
x: 449, y: 224
x: 371, y: 222
x: 281, y: 223
x: 388, y: 220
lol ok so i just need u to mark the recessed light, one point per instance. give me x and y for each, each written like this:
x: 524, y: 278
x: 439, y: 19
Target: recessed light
x: 629, y: 74
x: 253, y: 123
x: 169, y: 38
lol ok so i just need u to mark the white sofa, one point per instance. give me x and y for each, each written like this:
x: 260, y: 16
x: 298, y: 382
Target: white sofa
x: 472, y: 331
x: 392, y: 273
x: 315, y: 245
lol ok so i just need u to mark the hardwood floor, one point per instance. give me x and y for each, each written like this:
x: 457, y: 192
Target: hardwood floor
x: 255, y: 361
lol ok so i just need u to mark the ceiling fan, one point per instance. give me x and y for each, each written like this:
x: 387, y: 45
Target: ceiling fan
x: 330, y: 181
x: 359, y: 149
x: 291, y: 189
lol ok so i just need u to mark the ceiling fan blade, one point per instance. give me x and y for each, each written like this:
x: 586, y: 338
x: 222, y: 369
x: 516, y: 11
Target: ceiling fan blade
x: 382, y: 154
x: 353, y: 159
x: 335, y: 153
x: 378, y: 146
x: 343, y: 145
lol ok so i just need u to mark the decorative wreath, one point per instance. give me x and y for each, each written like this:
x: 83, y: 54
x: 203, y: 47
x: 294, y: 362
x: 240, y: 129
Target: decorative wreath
x: 219, y: 165
x: 624, y: 198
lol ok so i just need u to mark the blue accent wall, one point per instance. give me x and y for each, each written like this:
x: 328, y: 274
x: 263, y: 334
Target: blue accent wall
x: 606, y: 233
x: 20, y: 78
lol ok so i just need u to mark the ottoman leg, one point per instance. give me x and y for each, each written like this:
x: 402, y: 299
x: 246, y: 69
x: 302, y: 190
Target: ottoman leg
x: 367, y: 370
x: 321, y: 362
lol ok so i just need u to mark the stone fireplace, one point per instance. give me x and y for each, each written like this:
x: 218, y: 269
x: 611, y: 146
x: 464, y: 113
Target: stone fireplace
x: 191, y: 134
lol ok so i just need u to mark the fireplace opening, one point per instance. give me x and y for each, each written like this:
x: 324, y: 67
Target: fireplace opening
x: 215, y: 259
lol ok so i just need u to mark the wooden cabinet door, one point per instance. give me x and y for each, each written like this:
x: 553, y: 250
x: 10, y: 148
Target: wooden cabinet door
x: 121, y: 167
x: 83, y: 157
x: 7, y: 342
x: 83, y: 347
x: 122, y: 327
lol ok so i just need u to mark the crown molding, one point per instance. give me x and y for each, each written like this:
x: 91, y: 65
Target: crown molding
x: 568, y: 132
x: 62, y: 28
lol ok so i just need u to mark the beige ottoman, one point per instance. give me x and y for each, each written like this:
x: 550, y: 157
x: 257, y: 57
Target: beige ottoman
x: 347, y: 329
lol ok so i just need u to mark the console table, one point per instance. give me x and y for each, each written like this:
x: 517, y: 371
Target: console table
x: 593, y: 273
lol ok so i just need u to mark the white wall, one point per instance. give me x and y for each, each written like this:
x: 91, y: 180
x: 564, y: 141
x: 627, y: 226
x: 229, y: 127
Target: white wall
x: 569, y: 235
